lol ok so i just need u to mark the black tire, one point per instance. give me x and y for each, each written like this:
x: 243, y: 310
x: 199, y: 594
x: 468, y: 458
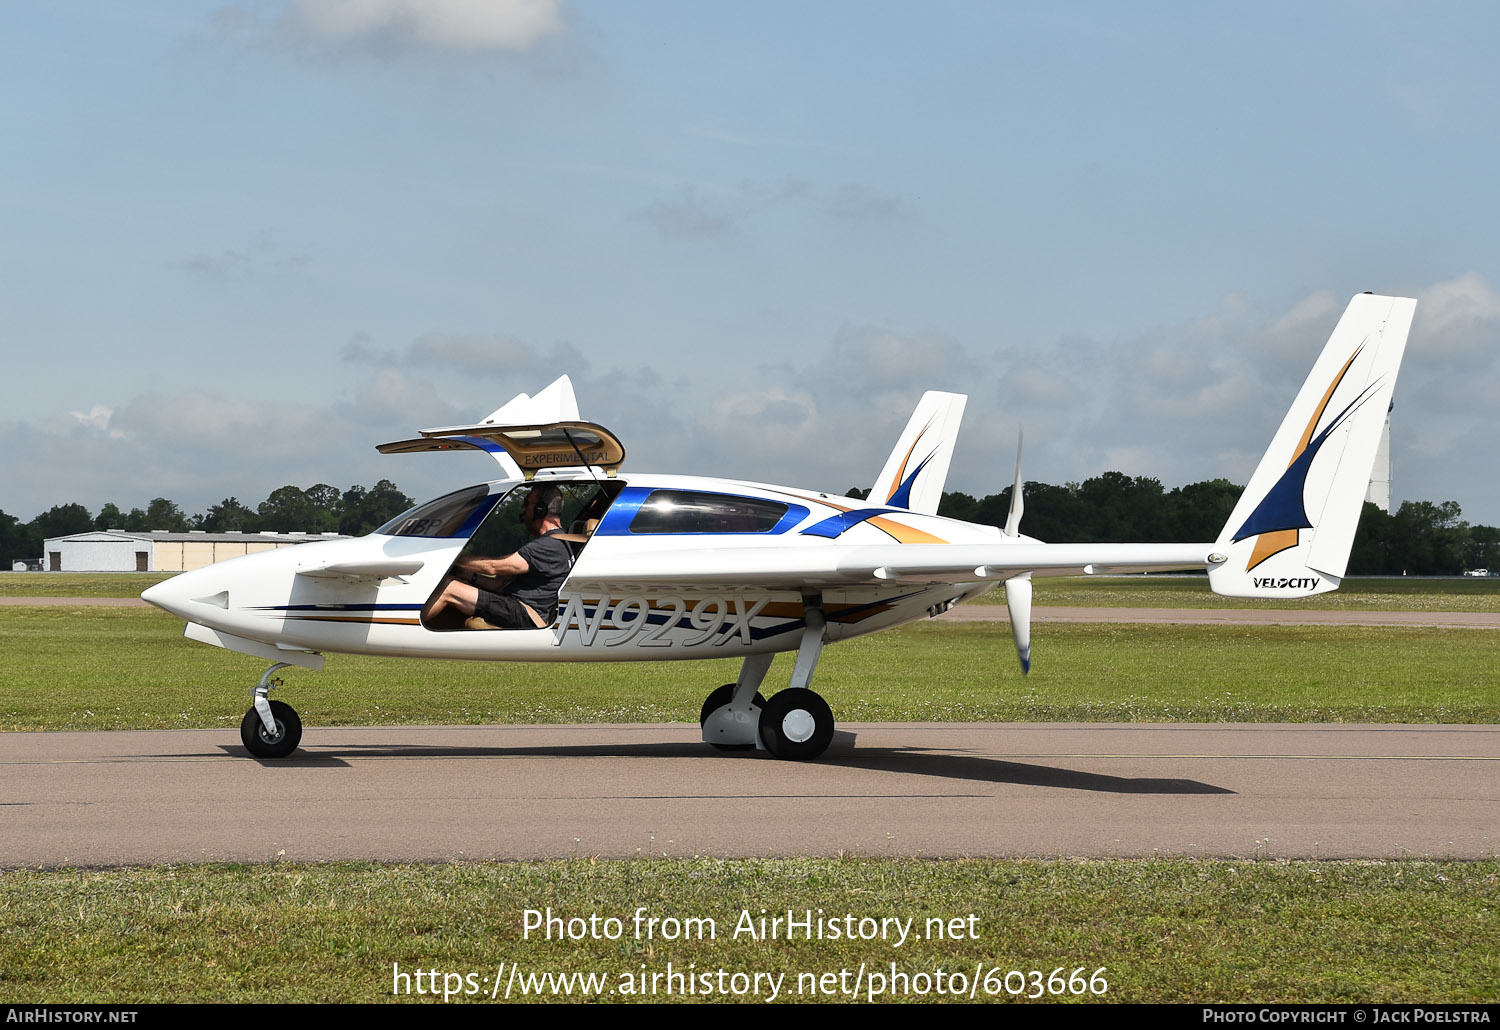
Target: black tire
x: 261, y: 744
x: 721, y: 697
x: 796, y: 724
x: 718, y: 699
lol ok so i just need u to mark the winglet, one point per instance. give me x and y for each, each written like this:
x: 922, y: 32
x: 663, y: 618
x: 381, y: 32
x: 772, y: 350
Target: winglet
x: 1292, y: 530
x: 556, y: 403
x: 914, y: 474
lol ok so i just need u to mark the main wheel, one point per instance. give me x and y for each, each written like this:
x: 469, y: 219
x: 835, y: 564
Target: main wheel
x: 797, y: 724
x: 265, y: 745
x: 718, y: 699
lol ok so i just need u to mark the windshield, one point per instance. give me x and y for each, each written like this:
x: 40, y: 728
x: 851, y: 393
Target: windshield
x: 452, y: 515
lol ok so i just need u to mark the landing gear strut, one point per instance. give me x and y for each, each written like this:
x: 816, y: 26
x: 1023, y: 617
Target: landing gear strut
x: 732, y: 712
x: 795, y: 723
x: 270, y: 729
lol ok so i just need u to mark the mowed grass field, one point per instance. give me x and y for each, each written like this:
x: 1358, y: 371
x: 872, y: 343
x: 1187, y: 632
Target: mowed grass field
x: 1184, y: 591
x: 1164, y: 930
x: 69, y: 668
x: 1154, y: 931
x: 77, y: 584
x: 1175, y: 591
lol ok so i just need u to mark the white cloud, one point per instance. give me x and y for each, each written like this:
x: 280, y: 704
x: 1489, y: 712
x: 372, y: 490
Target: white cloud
x: 776, y: 419
x: 1459, y: 319
x: 1181, y: 403
x: 98, y: 417
x: 397, y: 26
x: 470, y: 25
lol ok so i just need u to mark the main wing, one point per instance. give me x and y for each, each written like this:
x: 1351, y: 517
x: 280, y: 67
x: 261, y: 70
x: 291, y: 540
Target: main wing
x: 811, y: 567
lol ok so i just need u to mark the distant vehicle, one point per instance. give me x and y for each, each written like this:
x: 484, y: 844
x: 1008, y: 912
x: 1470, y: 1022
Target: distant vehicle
x: 1477, y: 572
x: 679, y: 567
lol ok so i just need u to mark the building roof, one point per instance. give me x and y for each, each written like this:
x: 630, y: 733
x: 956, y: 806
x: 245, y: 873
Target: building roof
x: 164, y: 536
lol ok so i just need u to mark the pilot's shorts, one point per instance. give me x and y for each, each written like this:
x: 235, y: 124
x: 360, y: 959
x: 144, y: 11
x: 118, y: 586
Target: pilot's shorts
x: 502, y: 610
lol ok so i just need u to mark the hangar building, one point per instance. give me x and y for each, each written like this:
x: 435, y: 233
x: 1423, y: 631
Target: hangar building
x: 114, y: 550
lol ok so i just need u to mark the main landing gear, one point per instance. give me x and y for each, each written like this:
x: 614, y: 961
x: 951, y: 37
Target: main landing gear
x: 270, y: 729
x: 795, y: 723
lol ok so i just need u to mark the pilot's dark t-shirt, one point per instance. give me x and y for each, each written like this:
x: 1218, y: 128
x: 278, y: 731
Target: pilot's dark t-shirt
x: 549, y: 560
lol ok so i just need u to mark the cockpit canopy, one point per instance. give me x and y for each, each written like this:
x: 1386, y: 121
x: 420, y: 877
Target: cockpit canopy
x: 491, y: 521
x: 533, y: 448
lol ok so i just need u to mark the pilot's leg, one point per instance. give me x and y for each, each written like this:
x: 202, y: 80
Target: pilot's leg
x: 455, y: 594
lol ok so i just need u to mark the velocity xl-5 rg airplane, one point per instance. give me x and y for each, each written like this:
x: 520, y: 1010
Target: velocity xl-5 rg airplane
x: 686, y: 567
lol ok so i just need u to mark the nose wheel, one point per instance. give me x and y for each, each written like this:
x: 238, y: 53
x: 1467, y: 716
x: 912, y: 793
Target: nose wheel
x: 276, y: 743
x: 270, y: 729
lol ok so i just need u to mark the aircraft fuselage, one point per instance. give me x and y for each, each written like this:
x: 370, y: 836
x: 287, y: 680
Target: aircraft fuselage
x: 271, y: 598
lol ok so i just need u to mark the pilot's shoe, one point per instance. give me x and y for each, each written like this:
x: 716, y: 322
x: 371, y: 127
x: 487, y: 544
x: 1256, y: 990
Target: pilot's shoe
x: 475, y: 622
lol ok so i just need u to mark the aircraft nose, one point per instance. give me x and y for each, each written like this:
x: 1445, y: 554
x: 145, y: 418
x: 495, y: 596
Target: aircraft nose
x: 186, y: 594
x: 167, y: 595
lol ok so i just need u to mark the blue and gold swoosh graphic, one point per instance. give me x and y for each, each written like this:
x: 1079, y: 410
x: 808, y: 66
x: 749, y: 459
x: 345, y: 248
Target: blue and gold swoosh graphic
x: 1281, y: 515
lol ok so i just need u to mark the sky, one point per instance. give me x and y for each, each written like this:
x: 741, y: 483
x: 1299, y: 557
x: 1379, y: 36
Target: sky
x: 243, y: 243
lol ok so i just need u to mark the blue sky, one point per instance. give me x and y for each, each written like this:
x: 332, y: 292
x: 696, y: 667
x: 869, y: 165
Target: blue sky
x: 241, y: 244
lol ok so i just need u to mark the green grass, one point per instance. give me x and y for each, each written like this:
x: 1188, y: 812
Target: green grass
x: 1394, y: 595
x: 78, y: 584
x: 112, y: 668
x: 1165, y: 930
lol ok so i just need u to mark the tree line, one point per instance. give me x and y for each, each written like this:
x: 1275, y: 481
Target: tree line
x: 318, y: 509
x: 1419, y: 538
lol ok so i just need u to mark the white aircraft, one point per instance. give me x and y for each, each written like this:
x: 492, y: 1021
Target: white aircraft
x: 680, y: 567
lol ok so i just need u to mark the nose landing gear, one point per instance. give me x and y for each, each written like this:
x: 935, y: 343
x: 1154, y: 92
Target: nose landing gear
x: 270, y: 729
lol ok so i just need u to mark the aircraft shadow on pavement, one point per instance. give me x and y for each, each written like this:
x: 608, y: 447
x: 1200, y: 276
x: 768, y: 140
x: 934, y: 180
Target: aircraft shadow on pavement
x: 299, y: 759
x: 977, y: 768
x: 842, y: 752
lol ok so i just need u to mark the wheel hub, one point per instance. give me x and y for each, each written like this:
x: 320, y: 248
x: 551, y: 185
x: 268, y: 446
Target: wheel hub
x: 798, y: 725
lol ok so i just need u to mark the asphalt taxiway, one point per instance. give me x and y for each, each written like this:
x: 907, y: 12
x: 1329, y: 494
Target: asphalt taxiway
x: 410, y: 793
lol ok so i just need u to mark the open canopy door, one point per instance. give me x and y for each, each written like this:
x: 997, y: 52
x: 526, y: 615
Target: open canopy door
x: 532, y: 448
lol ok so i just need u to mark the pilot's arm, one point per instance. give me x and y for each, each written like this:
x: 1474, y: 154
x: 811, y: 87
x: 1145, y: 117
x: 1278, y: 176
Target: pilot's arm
x: 510, y: 565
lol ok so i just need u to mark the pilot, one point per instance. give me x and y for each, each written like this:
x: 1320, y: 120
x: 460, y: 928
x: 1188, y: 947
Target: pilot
x: 529, y: 599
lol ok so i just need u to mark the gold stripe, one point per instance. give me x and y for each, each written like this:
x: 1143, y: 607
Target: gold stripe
x: 896, y: 483
x: 1313, y: 424
x: 905, y: 534
x: 1268, y: 545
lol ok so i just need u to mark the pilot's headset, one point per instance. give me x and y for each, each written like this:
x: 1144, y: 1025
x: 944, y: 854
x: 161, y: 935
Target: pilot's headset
x: 548, y: 501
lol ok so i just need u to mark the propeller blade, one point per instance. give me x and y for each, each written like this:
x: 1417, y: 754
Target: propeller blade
x: 1018, y: 600
x: 1017, y: 505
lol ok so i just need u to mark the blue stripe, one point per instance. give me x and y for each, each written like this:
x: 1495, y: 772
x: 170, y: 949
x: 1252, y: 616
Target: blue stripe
x: 1283, y: 506
x: 902, y: 497
x: 479, y: 514
x: 480, y: 442
x: 844, y: 521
